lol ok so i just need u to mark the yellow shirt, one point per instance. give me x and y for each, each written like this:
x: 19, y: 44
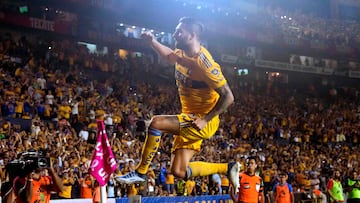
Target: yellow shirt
x: 100, y: 114
x: 204, y: 187
x: 169, y: 179
x: 116, y: 119
x: 92, y: 125
x: 27, y: 117
x: 47, y: 111
x: 197, y: 78
x: 267, y: 174
x: 19, y: 107
x: 64, y: 111
x: 225, y: 181
x: 190, y: 185
x: 18, y: 90
x: 131, y: 190
x: 66, y: 192
x: 9, y: 93
x: 59, y: 92
x: 18, y: 72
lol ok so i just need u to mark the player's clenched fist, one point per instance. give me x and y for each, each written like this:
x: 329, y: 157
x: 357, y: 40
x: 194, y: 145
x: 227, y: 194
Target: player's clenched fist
x: 147, y: 36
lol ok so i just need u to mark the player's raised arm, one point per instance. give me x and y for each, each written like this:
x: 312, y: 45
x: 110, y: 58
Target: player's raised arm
x: 164, y: 51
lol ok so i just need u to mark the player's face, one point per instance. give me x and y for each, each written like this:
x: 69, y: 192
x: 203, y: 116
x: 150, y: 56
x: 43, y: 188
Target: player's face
x: 182, y: 37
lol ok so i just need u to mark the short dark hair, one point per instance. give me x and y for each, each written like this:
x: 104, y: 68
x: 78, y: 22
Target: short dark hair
x: 192, y: 25
x: 253, y: 158
x: 282, y: 173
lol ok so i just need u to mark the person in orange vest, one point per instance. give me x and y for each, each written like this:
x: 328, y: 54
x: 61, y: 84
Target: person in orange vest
x: 86, y: 186
x: 251, y: 185
x: 283, y: 191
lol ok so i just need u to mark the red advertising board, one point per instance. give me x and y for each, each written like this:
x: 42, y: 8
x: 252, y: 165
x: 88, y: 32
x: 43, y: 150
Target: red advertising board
x: 36, y: 23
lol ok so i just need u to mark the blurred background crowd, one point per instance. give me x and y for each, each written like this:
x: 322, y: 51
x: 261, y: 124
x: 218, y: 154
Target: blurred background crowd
x: 53, y: 90
x: 51, y: 101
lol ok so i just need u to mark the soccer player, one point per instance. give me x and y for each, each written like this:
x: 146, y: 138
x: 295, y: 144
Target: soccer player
x: 204, y: 94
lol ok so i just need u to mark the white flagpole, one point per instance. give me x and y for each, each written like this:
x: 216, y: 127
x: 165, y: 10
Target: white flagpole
x: 103, y: 195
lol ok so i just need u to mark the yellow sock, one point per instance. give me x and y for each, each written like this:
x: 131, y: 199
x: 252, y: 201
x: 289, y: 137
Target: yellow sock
x: 199, y: 168
x: 149, y: 150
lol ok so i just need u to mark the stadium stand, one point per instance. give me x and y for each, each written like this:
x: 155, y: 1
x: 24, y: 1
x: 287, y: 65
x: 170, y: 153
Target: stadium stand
x: 293, y: 117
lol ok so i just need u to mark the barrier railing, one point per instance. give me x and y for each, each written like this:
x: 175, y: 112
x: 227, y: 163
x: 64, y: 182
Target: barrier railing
x: 138, y: 199
x: 299, y: 198
x: 182, y: 199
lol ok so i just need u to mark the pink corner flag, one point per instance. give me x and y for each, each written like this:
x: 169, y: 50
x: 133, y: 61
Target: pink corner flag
x: 103, y: 163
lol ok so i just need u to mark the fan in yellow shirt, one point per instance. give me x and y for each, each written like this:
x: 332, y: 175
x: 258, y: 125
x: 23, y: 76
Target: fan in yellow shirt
x: 190, y: 187
x: 132, y: 190
x: 64, y: 110
x: 225, y: 183
x: 19, y: 108
x: 68, y: 183
x: 170, y: 183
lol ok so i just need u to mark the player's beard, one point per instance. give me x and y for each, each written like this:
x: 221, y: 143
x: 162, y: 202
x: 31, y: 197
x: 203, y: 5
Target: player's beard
x: 181, y: 45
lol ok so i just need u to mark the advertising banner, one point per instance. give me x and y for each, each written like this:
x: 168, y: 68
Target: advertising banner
x: 36, y: 23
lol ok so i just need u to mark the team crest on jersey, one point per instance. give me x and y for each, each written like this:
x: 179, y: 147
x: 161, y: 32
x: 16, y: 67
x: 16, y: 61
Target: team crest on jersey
x: 215, y: 72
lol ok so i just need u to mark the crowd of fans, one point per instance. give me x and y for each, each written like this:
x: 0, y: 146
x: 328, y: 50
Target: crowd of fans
x: 52, y: 96
x: 317, y: 29
x: 278, y: 22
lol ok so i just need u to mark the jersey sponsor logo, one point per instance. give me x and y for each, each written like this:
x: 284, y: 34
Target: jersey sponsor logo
x: 180, y: 78
x: 184, y: 81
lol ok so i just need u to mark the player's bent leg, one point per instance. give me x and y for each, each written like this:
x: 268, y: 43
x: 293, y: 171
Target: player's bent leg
x: 189, y: 141
x: 232, y: 169
x: 158, y: 125
x: 149, y: 150
x: 180, y: 159
x: 166, y: 124
x: 201, y: 168
x: 181, y: 167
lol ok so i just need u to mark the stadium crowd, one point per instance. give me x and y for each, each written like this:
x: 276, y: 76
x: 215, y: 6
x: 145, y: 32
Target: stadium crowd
x: 312, y: 27
x: 279, y: 22
x: 51, y: 97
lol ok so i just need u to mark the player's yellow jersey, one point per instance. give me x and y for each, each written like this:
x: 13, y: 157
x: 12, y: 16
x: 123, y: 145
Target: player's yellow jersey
x: 197, y: 78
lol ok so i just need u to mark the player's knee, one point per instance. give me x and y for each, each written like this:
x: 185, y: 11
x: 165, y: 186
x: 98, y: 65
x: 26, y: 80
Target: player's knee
x: 178, y: 173
x: 156, y: 122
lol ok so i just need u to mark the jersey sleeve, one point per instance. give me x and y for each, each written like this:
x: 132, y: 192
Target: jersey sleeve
x: 213, y: 75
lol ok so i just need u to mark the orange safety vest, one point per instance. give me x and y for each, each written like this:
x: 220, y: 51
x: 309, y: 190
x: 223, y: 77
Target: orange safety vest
x: 283, y: 194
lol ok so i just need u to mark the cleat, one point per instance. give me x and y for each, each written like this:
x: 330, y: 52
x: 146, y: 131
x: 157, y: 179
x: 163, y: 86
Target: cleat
x: 130, y: 178
x: 233, y: 175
